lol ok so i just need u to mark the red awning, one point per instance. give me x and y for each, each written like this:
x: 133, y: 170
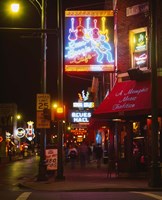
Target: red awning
x: 128, y: 98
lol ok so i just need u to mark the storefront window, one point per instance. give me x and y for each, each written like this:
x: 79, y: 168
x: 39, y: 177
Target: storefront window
x: 98, y: 138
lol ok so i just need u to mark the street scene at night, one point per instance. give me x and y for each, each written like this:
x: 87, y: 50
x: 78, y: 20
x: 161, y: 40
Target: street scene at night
x: 80, y: 103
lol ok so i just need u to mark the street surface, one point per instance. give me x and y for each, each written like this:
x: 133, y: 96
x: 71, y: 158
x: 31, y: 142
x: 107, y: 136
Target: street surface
x: 38, y: 195
x: 12, y: 174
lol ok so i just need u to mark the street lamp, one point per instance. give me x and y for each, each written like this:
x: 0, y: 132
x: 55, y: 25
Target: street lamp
x: 42, y: 8
x: 18, y: 116
x: 42, y: 164
x: 15, y: 7
x: 59, y: 31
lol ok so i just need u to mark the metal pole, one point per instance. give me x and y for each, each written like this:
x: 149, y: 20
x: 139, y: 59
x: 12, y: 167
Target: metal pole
x: 44, y: 45
x: 113, y: 76
x: 60, y: 167
x: 115, y: 42
x: 42, y: 164
x: 155, y: 173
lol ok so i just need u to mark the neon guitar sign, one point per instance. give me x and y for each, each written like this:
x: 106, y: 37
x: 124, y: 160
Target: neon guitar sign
x: 88, y: 43
x: 72, y: 33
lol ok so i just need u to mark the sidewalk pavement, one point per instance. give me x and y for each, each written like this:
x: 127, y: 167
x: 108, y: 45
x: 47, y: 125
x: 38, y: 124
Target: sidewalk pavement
x: 90, y: 179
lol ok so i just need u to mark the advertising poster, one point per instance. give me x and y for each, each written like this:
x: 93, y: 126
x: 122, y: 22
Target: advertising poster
x: 51, y: 159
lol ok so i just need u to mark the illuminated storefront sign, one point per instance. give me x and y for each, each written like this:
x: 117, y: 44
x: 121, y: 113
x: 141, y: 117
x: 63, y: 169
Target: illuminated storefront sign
x: 83, y: 96
x: 77, y: 126
x: 89, y: 40
x: 78, y: 131
x: 20, y: 132
x: 1, y: 138
x: 140, y: 59
x: 80, y: 117
x: 139, y: 46
x: 8, y: 135
x: 83, y: 101
x: 30, y: 131
x: 83, y: 104
x: 79, y: 134
x: 140, y: 41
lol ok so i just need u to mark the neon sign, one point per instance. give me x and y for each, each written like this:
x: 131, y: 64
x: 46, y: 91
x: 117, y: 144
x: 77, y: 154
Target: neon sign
x: 20, y: 133
x: 140, y: 41
x: 30, y: 131
x: 89, y: 41
x: 80, y: 117
x: 1, y: 139
x: 83, y: 96
x: 140, y: 59
x: 8, y: 135
x: 139, y: 47
x: 83, y: 104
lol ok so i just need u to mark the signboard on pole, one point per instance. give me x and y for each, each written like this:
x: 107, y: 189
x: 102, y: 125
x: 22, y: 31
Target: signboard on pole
x: 89, y: 40
x: 43, y: 102
x: 51, y: 159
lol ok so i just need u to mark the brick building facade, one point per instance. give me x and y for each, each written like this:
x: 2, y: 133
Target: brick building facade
x: 133, y: 15
x: 133, y: 20
x: 125, y: 24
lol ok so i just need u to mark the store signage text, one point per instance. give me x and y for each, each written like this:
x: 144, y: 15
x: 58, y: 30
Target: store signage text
x: 89, y: 41
x: 83, y: 104
x: 127, y: 101
x: 80, y: 117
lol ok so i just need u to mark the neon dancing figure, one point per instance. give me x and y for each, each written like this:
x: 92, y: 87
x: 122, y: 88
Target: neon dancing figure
x: 103, y: 48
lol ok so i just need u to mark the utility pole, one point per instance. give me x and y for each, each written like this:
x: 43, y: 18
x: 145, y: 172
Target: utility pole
x: 42, y: 164
x: 60, y: 169
x: 155, y: 173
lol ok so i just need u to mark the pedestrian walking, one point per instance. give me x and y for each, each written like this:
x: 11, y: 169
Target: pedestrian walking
x: 83, y: 154
x: 98, y: 153
x: 89, y: 155
x: 73, y: 153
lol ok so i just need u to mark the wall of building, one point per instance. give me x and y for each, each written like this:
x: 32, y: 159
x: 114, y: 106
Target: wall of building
x: 125, y: 24
x: 159, y: 33
x: 8, y: 121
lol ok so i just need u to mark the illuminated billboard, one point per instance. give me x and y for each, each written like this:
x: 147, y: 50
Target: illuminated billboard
x: 89, y: 41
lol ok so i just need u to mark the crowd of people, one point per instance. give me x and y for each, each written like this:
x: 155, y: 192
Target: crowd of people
x: 84, y: 154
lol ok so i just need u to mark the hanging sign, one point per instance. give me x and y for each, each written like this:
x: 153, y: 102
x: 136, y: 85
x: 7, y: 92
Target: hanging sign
x: 20, y: 132
x: 89, y: 40
x: 30, y: 131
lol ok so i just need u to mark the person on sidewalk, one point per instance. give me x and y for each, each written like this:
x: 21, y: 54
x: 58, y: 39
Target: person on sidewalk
x: 99, y: 153
x: 73, y: 153
x: 83, y: 154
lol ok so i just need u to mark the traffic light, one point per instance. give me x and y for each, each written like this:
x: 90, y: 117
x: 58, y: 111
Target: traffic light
x: 60, y: 112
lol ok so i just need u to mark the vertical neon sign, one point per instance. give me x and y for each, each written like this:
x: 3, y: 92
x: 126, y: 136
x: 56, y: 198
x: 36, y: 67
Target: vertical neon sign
x: 89, y: 41
x: 139, y: 48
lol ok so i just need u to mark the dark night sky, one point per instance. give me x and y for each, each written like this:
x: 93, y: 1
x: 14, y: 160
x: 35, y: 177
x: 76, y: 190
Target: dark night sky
x: 20, y: 60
